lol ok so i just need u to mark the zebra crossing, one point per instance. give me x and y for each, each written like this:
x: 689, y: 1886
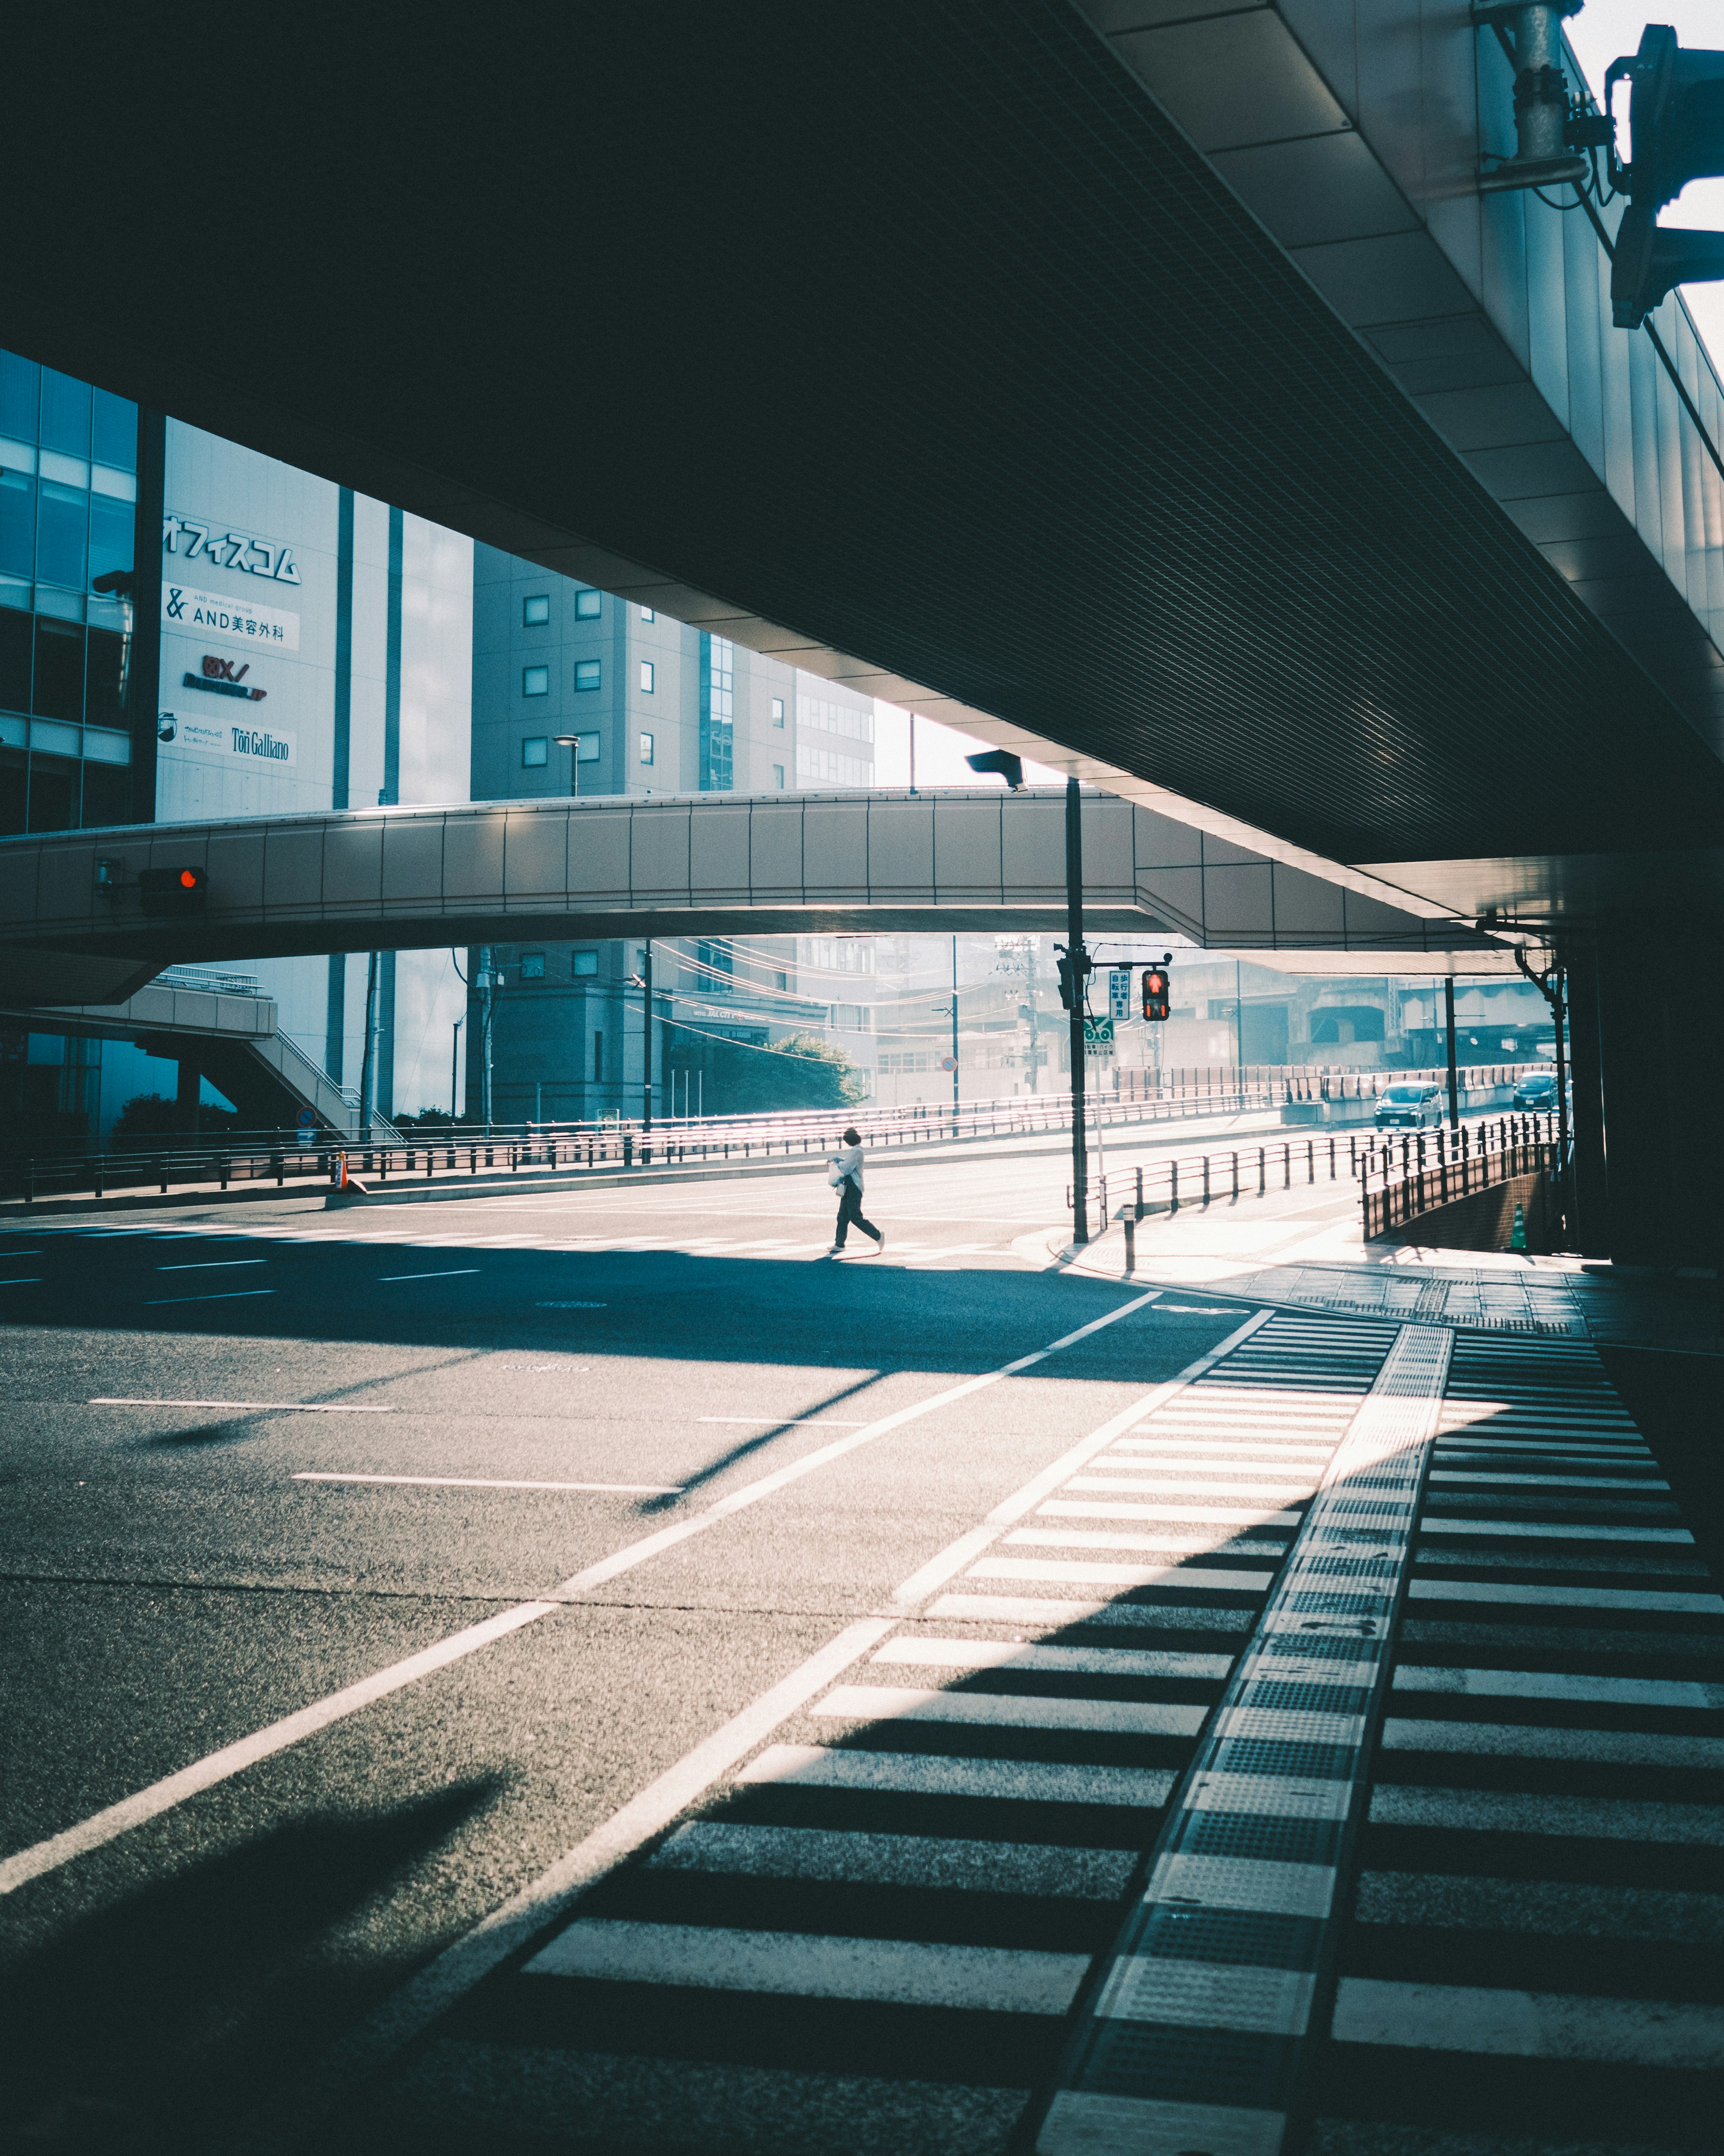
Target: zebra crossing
x: 903, y: 1252
x: 875, y: 1936
x: 1536, y: 1949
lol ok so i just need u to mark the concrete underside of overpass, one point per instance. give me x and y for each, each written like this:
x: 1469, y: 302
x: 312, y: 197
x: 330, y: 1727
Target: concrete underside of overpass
x: 1146, y: 387
x: 1078, y: 374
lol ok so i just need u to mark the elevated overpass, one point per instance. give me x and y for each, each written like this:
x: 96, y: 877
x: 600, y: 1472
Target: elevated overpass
x: 1148, y: 388
x: 409, y: 878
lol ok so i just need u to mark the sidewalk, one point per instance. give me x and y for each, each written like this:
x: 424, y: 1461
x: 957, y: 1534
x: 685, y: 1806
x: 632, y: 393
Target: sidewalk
x: 1304, y: 1251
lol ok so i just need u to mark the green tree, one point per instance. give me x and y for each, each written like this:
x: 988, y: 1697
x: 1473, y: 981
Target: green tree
x: 804, y: 1071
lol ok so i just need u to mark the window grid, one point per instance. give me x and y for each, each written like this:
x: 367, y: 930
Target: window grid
x: 588, y: 677
x: 536, y: 611
x: 587, y: 603
x: 718, y: 707
x: 646, y: 748
x: 646, y: 677
x: 536, y: 680
x: 535, y: 751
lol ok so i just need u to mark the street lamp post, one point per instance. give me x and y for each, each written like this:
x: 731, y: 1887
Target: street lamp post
x: 1078, y: 960
x: 571, y: 742
x: 454, y: 1068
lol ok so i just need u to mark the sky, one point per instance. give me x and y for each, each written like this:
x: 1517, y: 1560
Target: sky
x: 940, y: 754
x: 1603, y: 30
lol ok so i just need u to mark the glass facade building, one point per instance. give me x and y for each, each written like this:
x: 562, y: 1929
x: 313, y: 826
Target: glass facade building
x: 69, y: 549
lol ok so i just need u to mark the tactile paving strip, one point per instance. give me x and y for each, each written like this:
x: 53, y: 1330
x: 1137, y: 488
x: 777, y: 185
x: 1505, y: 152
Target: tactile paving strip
x: 1193, y: 2037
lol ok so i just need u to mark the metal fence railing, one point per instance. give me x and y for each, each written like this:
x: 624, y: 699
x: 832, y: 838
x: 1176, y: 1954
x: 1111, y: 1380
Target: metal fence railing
x: 1492, y: 1153
x: 1413, y: 1172
x: 384, y: 1153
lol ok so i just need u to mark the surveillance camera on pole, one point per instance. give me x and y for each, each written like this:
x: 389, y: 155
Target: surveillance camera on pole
x: 1001, y: 761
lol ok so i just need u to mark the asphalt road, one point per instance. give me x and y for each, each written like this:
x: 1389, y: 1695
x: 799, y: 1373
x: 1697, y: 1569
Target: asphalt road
x: 185, y: 1559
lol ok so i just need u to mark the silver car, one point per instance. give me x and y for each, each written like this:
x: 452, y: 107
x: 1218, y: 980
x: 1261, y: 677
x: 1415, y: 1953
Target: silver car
x: 1409, y: 1106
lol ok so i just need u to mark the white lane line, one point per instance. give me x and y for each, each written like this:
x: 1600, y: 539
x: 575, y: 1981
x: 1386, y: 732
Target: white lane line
x: 212, y: 1265
x: 931, y: 1774
x: 1258, y: 1492
x: 1530, y: 2025
x: 1117, y: 1717
x: 477, y: 1483
x: 920, y: 1652
x: 951, y: 1560
x: 269, y: 1407
x: 1068, y: 1572
x: 787, y: 1422
x: 229, y: 1295
x: 115, y: 1819
x: 1550, y: 1529
x: 1475, y: 1475
x: 895, y: 1859
x: 625, y: 1560
x: 1578, y: 1598
x: 1244, y: 1517
x: 1514, y: 1811
x: 455, y: 1272
x: 508, y: 1928
x: 20, y: 1254
x: 906, y: 1972
x: 1509, y: 1740
x: 1545, y: 1684
x: 27, y: 1281
x: 1082, y: 1538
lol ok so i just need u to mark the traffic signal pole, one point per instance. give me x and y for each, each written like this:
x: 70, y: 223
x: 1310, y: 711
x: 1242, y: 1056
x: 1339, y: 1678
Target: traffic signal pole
x: 1454, y: 1071
x: 1076, y: 956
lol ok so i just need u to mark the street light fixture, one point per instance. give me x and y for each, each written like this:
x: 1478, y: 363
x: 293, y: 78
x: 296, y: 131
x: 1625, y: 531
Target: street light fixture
x: 579, y: 753
x: 1075, y: 969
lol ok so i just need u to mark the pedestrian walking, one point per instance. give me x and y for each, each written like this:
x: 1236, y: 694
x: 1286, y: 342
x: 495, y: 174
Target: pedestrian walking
x: 843, y: 1171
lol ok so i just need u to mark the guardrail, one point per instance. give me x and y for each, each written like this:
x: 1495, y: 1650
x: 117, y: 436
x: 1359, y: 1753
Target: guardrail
x: 1415, y: 1170
x: 1491, y: 1153
x: 279, y: 1157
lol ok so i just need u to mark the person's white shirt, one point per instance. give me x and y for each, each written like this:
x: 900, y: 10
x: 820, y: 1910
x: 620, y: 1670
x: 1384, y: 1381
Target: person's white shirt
x: 848, y: 1161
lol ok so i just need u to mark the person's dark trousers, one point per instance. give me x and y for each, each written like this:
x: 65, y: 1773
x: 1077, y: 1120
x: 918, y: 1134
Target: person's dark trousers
x: 849, y: 1208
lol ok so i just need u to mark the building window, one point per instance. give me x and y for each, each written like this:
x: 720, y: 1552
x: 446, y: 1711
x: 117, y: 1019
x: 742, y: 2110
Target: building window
x: 586, y: 605
x: 532, y: 965
x: 536, y: 612
x: 647, y: 614
x: 585, y: 963
x: 646, y: 748
x: 587, y: 673
x: 718, y: 705
x: 536, y: 680
x: 778, y: 710
x: 778, y: 776
x: 646, y: 677
x: 535, y: 751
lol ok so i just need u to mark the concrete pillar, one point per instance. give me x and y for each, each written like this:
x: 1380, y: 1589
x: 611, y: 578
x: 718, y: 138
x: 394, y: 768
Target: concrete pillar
x: 1590, y: 1224
x: 185, y: 1098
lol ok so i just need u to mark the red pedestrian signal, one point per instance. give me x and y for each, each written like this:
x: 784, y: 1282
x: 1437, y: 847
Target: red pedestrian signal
x: 172, y: 891
x: 1157, y: 990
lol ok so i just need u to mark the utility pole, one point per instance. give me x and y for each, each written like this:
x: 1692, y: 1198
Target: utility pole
x: 1035, y: 1040
x: 954, y: 1037
x: 646, y: 1000
x: 1078, y: 960
x: 485, y: 1036
x: 368, y: 1062
x: 1552, y: 985
x: 454, y: 1068
x: 1453, y: 1074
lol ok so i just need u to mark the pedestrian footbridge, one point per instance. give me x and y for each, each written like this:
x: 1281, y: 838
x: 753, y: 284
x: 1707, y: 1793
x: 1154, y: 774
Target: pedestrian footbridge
x: 73, y: 925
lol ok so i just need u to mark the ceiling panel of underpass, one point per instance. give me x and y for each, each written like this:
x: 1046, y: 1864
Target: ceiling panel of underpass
x: 913, y: 325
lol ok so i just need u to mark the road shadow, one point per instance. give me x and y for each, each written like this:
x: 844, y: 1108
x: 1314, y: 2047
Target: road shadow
x: 152, y: 2025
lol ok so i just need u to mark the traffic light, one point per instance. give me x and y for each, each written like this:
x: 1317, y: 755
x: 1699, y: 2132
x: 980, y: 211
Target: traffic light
x: 1676, y: 122
x: 172, y: 891
x: 1073, y: 978
x: 1157, y: 989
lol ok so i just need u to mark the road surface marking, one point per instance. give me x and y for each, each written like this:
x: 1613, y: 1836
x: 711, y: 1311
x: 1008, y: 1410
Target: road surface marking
x: 231, y: 1295
x: 1070, y: 1572
x: 268, y: 1407
x: 901, y: 1972
x: 920, y: 1652
x: 161, y: 1796
x: 476, y: 1482
x: 897, y: 1860
x: 625, y: 1560
x: 456, y: 1272
x: 26, y: 1282
x: 1115, y: 1717
x: 1535, y: 2025
x: 212, y: 1265
x: 932, y: 1774
x: 115, y: 1819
